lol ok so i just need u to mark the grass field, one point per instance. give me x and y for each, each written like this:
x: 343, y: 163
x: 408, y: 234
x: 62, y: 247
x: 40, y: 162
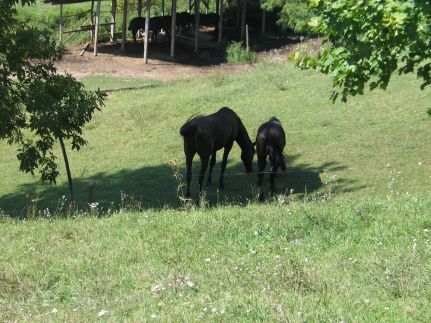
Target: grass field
x: 351, y: 243
x: 358, y: 149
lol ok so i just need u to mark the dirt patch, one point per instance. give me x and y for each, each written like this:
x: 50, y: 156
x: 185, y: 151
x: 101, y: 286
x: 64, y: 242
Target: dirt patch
x: 112, y: 61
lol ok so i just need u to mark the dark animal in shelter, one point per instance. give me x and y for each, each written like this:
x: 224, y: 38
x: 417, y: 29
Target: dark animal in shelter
x: 205, y: 135
x: 156, y: 24
x: 136, y: 24
x: 270, y: 141
x: 210, y: 20
x: 184, y: 20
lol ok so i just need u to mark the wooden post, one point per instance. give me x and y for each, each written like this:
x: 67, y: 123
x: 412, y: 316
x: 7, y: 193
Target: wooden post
x: 123, y: 27
x: 218, y: 7
x: 238, y: 13
x: 247, y: 45
x: 220, y: 23
x: 96, y: 30
x: 92, y: 20
x: 139, y: 8
x: 147, y: 27
x: 163, y: 7
x: 173, y: 27
x: 263, y: 20
x: 197, y: 22
x: 190, y: 6
x: 61, y: 21
x: 243, y: 14
x: 113, y: 19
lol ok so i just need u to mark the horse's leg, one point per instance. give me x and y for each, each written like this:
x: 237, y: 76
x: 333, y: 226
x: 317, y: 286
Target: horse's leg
x: 212, y: 163
x: 272, y: 178
x: 226, y: 152
x: 190, y: 152
x: 261, y: 162
x: 204, y: 165
x: 189, y: 160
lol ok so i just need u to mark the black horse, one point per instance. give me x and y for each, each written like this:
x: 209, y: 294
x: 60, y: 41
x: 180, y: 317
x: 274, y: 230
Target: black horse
x: 156, y: 24
x: 270, y: 141
x: 207, y: 134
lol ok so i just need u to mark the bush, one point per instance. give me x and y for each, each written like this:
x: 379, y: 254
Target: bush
x: 236, y: 53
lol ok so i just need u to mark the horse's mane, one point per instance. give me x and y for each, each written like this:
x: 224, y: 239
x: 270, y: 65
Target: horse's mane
x: 274, y: 119
x: 192, y: 118
x: 188, y: 127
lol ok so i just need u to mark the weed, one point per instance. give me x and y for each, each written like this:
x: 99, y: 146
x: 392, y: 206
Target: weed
x: 236, y: 53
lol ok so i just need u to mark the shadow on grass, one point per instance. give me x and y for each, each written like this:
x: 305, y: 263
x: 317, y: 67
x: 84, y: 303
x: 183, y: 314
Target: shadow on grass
x: 155, y: 187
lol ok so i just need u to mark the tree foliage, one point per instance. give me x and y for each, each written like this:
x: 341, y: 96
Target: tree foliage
x: 368, y: 40
x: 294, y: 14
x: 38, y: 106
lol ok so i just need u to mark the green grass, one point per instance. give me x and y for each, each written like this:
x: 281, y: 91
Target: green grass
x: 236, y: 53
x: 359, y: 149
x: 351, y: 243
x: 341, y: 260
x: 106, y: 83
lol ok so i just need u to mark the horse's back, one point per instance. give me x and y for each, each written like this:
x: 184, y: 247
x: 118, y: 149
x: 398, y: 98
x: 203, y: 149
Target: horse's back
x: 271, y: 133
x: 212, y: 132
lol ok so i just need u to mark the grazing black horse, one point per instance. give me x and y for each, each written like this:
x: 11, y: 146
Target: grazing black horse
x: 207, y: 134
x: 270, y: 141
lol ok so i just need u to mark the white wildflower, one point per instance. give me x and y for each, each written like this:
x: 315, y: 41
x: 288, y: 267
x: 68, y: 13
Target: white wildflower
x: 54, y: 310
x: 190, y: 284
x: 157, y: 288
x: 93, y: 205
x: 102, y: 313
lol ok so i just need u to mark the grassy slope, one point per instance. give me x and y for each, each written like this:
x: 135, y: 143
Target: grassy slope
x: 133, y: 139
x: 362, y: 255
x: 332, y: 261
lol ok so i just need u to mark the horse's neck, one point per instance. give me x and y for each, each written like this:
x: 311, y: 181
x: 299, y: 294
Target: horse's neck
x: 242, y: 138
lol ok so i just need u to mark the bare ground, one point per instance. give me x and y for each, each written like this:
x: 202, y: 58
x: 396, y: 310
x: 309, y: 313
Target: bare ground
x: 129, y: 63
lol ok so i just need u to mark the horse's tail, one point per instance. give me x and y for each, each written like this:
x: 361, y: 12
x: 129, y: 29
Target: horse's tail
x: 190, y: 126
x: 283, y: 161
x: 277, y: 156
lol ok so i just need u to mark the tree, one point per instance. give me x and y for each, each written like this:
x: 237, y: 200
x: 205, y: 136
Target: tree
x: 294, y: 14
x: 37, y: 105
x: 366, y: 41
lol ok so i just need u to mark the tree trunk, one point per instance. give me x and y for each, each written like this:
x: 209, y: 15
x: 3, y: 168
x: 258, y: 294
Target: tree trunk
x: 69, y: 176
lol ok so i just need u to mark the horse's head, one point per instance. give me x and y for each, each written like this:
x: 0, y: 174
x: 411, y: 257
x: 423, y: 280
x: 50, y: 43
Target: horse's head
x: 247, y: 158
